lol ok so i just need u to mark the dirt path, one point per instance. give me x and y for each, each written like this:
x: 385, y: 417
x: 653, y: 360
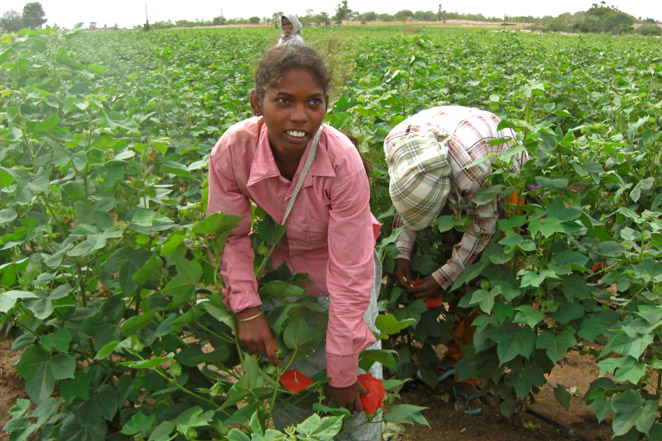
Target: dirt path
x: 575, y: 373
x: 11, y: 386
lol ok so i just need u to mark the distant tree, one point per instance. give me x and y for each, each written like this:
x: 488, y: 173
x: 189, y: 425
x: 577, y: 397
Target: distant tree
x: 342, y: 12
x: 323, y: 19
x: 601, y: 18
x: 403, y: 15
x: 368, y: 16
x: 276, y: 18
x: 93, y: 25
x: 33, y: 15
x: 220, y: 20
x: 11, y: 21
x: 385, y: 17
x: 425, y: 16
x: 254, y: 20
x: 650, y: 29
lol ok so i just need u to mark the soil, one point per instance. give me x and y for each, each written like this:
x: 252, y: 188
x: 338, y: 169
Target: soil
x: 575, y: 371
x: 577, y: 423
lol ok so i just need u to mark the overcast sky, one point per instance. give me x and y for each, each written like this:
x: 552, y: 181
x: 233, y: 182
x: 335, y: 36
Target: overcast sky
x: 128, y: 13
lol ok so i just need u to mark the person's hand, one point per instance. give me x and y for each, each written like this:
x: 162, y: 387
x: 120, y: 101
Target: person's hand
x: 256, y: 335
x: 347, y: 397
x: 402, y: 273
x: 426, y: 288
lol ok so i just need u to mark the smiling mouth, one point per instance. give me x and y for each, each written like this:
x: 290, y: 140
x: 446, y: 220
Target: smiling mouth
x: 296, y: 133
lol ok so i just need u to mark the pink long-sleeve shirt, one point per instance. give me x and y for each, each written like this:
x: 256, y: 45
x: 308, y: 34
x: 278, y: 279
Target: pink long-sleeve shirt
x: 330, y: 233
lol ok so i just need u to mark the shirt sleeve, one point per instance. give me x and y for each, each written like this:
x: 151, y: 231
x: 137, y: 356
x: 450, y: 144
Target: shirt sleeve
x: 350, y: 274
x: 406, y: 240
x: 236, y: 266
x: 473, y: 242
x: 484, y: 218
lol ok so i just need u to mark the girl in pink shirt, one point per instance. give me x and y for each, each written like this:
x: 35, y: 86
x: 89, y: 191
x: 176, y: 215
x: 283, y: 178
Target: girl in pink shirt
x: 330, y: 233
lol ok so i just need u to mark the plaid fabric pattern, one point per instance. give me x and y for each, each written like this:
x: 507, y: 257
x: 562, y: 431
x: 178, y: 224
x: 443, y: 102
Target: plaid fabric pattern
x: 429, y: 157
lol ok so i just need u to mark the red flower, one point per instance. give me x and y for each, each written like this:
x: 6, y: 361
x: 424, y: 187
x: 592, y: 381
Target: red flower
x: 434, y: 302
x: 295, y: 381
x: 375, y: 396
x: 598, y: 266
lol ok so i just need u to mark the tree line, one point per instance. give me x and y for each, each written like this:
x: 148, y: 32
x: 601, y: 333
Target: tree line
x: 600, y: 18
x: 33, y: 17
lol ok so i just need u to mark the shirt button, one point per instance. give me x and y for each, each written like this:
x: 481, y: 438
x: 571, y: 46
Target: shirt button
x: 294, y: 242
x: 295, y: 257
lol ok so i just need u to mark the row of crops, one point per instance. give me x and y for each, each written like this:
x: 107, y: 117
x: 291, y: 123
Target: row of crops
x: 108, y: 291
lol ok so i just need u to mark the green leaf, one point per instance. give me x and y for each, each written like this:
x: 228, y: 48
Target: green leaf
x: 556, y: 346
x: 147, y: 364
x: 315, y: 428
x: 528, y: 316
x: 176, y: 169
x: 101, y: 405
x: 610, y: 249
x: 47, y: 124
x: 534, y: 279
x: 42, y: 371
x: 488, y: 194
x: 624, y: 344
x: 237, y: 435
x: 139, y: 423
x: 630, y: 410
x: 216, y: 223
x: 387, y: 324
x: 406, y: 414
x: 444, y: 223
x: 8, y: 299
x: 484, y: 299
x: 162, y: 431
x: 278, y: 288
x: 385, y: 357
x: 152, y: 265
x: 559, y: 211
x: 269, y: 231
x: 625, y: 368
x: 116, y: 119
x: 562, y: 396
x: 298, y: 333
x: 71, y: 430
x: 513, y: 342
x: 19, y: 408
x: 59, y: 340
x: 79, y: 387
x: 221, y: 314
x: 7, y: 215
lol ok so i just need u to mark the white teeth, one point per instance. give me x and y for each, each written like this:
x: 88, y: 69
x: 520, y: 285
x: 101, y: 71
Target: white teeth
x: 296, y: 133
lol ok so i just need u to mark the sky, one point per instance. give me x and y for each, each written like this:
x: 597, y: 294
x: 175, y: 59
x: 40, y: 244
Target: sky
x: 128, y: 13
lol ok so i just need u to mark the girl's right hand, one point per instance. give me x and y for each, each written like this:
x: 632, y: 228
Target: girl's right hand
x: 256, y: 335
x: 402, y: 273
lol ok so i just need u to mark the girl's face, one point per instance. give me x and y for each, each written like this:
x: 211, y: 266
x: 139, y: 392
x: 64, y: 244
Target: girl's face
x: 293, y: 110
x: 286, y: 26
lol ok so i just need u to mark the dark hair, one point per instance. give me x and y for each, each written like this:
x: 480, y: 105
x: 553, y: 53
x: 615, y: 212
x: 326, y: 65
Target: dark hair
x: 280, y: 59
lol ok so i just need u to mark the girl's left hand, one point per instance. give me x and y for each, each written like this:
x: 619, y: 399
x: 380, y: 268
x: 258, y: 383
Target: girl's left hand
x: 427, y: 288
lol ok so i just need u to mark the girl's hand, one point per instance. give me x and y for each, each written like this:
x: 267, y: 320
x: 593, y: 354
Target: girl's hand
x: 402, y: 273
x: 427, y: 288
x: 256, y: 335
x: 347, y: 397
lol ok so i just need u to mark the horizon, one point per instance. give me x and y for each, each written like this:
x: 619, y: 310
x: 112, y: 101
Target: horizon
x: 129, y: 14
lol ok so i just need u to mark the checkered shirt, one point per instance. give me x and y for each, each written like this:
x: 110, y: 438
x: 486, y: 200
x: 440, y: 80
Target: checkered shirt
x: 428, y: 157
